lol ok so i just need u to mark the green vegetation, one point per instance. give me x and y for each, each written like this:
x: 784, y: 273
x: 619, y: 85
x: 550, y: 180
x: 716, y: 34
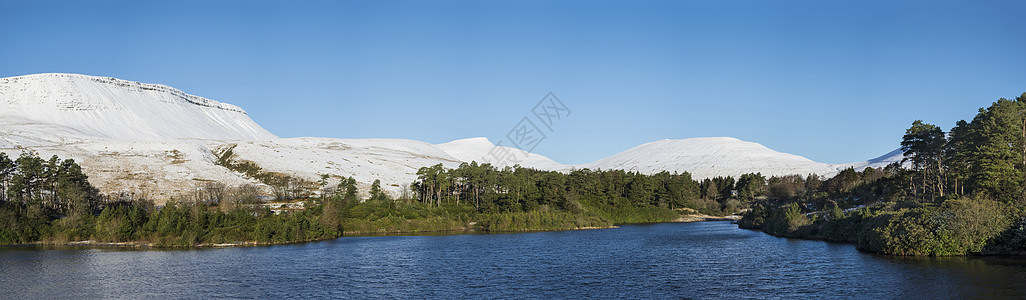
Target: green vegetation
x: 53, y: 202
x: 386, y: 216
x: 521, y: 199
x: 614, y: 195
x: 35, y: 192
x: 962, y: 193
x: 538, y: 220
x: 957, y: 227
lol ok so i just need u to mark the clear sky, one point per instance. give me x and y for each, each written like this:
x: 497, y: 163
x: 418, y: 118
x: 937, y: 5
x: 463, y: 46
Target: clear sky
x: 834, y: 81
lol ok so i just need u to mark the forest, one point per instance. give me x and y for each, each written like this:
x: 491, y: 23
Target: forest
x: 960, y: 192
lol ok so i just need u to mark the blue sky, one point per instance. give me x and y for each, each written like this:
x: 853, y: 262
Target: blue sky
x: 834, y: 82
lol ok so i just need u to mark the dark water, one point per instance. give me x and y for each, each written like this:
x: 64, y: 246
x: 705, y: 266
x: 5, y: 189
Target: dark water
x: 673, y: 260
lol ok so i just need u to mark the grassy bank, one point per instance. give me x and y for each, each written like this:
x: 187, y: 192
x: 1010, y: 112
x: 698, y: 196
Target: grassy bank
x: 392, y: 217
x: 134, y: 224
x: 174, y: 225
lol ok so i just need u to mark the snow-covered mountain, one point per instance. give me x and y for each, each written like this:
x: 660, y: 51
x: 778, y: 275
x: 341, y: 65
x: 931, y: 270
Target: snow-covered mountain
x: 722, y: 156
x: 61, y: 108
x: 159, y: 142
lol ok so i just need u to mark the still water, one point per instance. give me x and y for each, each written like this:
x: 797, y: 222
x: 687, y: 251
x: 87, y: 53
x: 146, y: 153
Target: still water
x: 670, y: 260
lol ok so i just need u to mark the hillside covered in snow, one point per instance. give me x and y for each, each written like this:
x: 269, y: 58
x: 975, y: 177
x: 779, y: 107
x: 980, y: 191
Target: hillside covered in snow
x: 723, y: 156
x: 47, y: 109
x: 158, y: 142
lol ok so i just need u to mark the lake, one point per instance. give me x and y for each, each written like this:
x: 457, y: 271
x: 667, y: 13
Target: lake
x: 669, y: 260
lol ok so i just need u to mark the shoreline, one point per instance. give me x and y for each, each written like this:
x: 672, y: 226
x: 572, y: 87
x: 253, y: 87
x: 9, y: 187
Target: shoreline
x: 705, y: 218
x: 854, y: 244
x: 137, y: 245
x: 149, y: 245
x: 470, y: 230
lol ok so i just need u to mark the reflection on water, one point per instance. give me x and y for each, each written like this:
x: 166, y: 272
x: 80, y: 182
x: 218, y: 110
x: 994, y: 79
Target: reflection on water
x: 978, y: 276
x: 700, y: 260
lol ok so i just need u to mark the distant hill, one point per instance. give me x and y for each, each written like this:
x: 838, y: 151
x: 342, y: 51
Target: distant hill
x: 723, y: 156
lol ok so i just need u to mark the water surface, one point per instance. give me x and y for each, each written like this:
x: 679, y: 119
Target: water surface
x: 670, y: 260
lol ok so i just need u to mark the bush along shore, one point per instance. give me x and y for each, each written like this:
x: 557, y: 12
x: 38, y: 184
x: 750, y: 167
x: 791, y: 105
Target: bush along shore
x: 954, y: 228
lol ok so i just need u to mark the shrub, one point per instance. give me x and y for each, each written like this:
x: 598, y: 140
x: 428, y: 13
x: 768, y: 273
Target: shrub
x: 958, y: 227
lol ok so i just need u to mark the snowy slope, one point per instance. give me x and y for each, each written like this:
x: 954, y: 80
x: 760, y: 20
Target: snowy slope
x: 718, y: 156
x: 81, y: 107
x: 156, y: 170
x: 482, y: 150
x: 394, y: 161
x: 163, y: 169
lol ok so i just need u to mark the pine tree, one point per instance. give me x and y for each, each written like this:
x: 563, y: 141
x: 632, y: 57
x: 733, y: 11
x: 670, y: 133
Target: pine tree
x: 995, y: 150
x: 923, y: 145
x: 7, y: 169
x: 346, y: 189
x: 751, y: 185
x: 956, y: 159
x: 376, y: 194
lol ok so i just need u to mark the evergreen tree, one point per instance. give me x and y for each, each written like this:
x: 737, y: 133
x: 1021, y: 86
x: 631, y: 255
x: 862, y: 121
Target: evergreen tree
x: 751, y: 185
x: 376, y: 194
x: 956, y: 156
x: 923, y: 145
x: 323, y: 183
x: 7, y: 169
x: 346, y: 189
x: 995, y: 150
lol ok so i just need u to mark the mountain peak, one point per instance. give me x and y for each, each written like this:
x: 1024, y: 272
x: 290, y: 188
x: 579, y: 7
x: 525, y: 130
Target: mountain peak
x: 90, y: 107
x: 479, y: 141
x: 707, y: 157
x: 56, y: 78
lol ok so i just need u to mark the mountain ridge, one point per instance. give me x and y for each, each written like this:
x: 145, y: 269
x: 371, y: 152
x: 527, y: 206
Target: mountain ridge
x: 105, y: 108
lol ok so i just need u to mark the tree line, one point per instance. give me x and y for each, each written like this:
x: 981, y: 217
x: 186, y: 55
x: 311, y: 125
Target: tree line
x: 489, y: 189
x: 51, y: 187
x: 984, y: 158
